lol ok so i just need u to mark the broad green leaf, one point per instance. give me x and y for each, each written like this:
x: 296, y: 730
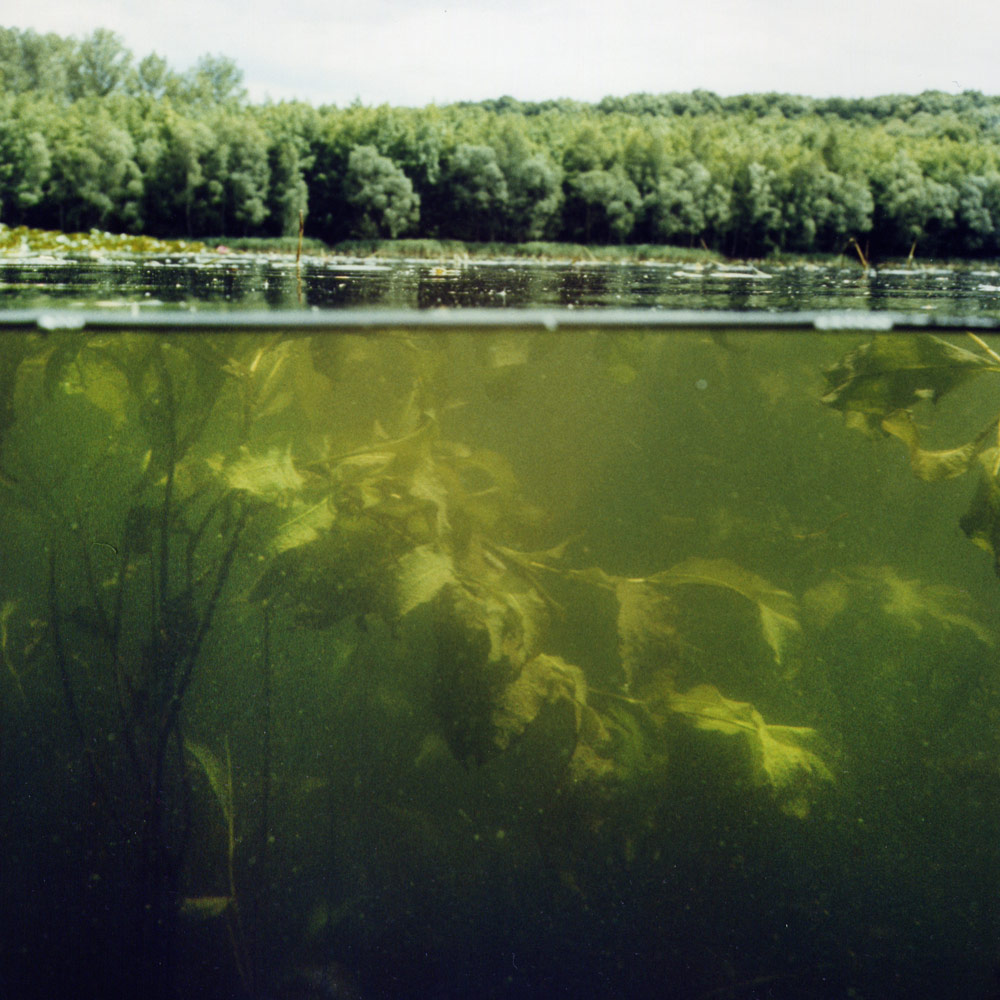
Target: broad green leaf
x: 912, y: 603
x: 981, y: 522
x: 425, y: 485
x: 305, y: 526
x: 270, y: 476
x: 826, y: 601
x: 204, y: 907
x: 542, y: 679
x: 934, y: 466
x: 778, y: 609
x: 894, y: 372
x: 421, y: 575
x: 913, y: 600
x: 647, y: 637
x: 218, y: 774
x: 780, y: 759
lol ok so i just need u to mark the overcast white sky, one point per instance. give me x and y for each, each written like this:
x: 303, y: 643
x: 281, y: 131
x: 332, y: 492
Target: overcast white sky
x: 413, y: 52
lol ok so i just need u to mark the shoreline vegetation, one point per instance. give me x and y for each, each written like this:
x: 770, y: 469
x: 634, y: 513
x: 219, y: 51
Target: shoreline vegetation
x: 22, y: 242
x: 93, y: 139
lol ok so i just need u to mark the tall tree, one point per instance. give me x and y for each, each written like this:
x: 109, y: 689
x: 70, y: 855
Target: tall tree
x: 601, y: 206
x: 101, y: 65
x: 380, y: 194
x: 477, y: 192
x: 25, y: 161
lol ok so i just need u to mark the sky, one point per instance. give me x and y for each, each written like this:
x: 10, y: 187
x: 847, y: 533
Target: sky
x: 415, y: 52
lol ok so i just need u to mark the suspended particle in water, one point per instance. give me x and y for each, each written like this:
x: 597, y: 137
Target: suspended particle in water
x: 701, y: 385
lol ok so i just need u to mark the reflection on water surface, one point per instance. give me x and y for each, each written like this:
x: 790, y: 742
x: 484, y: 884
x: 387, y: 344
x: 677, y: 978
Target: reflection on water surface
x: 272, y: 282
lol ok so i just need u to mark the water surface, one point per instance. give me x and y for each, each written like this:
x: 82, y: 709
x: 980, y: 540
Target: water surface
x: 256, y: 281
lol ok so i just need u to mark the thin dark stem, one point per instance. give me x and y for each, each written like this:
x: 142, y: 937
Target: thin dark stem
x: 170, y: 432
x: 195, y: 538
x: 265, y: 778
x: 174, y: 705
x: 258, y: 898
x: 61, y: 661
x: 99, y: 785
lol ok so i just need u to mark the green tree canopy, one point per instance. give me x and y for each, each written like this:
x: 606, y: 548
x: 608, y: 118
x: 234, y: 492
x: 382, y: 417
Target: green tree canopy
x: 380, y: 194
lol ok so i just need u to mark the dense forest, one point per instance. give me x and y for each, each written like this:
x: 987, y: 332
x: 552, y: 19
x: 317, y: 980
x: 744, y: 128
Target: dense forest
x: 91, y: 137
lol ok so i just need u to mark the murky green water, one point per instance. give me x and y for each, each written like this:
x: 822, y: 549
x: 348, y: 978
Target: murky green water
x: 499, y: 664
x: 458, y: 634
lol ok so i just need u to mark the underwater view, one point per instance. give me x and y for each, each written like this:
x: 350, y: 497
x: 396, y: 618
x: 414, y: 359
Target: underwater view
x: 499, y: 663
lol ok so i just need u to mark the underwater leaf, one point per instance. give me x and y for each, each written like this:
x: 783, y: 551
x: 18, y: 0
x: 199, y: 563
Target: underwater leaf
x: 426, y: 486
x: 204, y: 907
x: 65, y: 348
x: 780, y: 759
x: 914, y: 602
x: 422, y: 572
x: 935, y: 466
x: 106, y: 387
x: 512, y: 621
x: 218, y: 774
x: 826, y: 601
x: 509, y: 350
x: 480, y: 483
x: 646, y: 633
x: 270, y: 476
x: 305, y: 526
x: 981, y: 522
x: 911, y: 603
x: 778, y: 608
x: 542, y: 680
x: 894, y: 372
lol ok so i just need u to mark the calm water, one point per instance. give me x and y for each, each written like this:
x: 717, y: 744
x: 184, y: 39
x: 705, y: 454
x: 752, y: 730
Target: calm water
x: 253, y: 281
x: 499, y: 664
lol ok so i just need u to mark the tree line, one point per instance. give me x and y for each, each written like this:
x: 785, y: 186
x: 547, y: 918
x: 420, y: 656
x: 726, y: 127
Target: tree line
x: 92, y: 138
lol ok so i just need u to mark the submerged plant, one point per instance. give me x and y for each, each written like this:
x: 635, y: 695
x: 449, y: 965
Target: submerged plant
x: 234, y: 466
x: 408, y: 524
x: 879, y: 385
x: 138, y: 559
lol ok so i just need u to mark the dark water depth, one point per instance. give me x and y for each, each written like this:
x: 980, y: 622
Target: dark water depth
x: 492, y: 665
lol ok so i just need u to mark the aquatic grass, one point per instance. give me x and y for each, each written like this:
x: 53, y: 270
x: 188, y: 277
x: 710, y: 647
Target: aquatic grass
x: 18, y: 240
x: 533, y: 250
